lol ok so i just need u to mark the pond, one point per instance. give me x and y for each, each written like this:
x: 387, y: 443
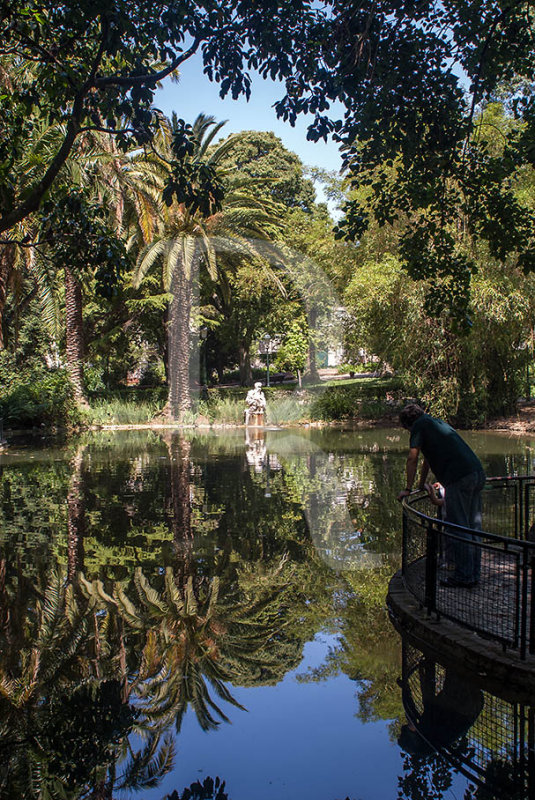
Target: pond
x: 180, y: 608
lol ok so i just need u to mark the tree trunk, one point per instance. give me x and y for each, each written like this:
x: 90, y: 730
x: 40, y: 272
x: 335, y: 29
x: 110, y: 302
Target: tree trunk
x: 179, y: 398
x: 75, y: 517
x: 165, y: 344
x: 7, y: 258
x: 246, y: 373
x: 179, y: 452
x: 74, y: 335
x: 220, y: 367
x: 311, y: 368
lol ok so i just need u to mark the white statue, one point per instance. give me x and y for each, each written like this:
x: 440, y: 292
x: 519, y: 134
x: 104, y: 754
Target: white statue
x: 256, y: 402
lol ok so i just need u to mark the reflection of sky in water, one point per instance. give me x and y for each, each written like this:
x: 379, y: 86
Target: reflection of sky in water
x: 299, y: 740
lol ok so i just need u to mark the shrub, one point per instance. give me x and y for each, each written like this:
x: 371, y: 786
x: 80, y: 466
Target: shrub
x: 34, y: 395
x: 153, y: 375
x: 93, y: 378
x: 342, y: 402
x: 368, y: 366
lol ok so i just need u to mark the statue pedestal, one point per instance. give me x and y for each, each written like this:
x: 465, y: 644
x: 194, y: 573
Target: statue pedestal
x: 256, y: 420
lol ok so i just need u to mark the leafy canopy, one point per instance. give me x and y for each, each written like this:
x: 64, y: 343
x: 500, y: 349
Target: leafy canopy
x: 79, y: 236
x: 95, y: 64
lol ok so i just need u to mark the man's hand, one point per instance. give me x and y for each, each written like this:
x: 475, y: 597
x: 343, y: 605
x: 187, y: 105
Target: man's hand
x: 403, y: 493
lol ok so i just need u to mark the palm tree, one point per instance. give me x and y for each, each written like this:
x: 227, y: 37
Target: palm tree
x: 27, y: 275
x: 128, y: 187
x: 205, y: 637
x: 190, y: 239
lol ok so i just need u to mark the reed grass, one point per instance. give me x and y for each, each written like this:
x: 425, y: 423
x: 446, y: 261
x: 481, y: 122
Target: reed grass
x: 120, y: 412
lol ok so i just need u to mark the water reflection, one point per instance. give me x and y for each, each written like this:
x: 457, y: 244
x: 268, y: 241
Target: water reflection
x: 454, y: 725
x: 148, y: 579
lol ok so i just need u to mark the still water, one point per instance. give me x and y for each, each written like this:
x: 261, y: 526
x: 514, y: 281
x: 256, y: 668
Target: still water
x: 179, y: 608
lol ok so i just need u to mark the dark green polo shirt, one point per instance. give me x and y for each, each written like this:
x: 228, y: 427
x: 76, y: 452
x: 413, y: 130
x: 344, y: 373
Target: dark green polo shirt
x: 447, y: 454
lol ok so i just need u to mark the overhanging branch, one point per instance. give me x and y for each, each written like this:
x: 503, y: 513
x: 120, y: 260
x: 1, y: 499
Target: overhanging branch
x: 147, y: 78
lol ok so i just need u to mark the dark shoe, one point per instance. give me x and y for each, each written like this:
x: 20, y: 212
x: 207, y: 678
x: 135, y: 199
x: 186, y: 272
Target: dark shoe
x: 451, y: 582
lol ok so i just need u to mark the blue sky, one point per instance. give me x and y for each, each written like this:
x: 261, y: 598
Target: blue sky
x: 195, y: 94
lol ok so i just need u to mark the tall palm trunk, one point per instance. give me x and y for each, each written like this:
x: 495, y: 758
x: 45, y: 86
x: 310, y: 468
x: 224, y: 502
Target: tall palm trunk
x: 75, y: 517
x: 74, y: 335
x: 179, y: 402
x: 7, y: 258
x: 179, y: 453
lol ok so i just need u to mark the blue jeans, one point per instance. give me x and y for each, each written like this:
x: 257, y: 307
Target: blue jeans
x: 463, y: 507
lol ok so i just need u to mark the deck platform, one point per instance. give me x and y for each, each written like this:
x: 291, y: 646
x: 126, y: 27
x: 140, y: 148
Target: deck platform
x: 500, y: 670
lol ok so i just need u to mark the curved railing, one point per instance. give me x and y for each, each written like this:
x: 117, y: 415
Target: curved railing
x: 502, y: 606
x: 481, y: 734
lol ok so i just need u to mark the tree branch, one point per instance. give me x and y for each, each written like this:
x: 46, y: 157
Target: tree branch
x: 135, y: 80
x: 34, y: 199
x: 22, y: 243
x: 102, y: 129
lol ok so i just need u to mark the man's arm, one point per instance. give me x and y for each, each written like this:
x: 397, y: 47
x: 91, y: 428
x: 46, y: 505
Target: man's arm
x: 412, y: 466
x: 423, y: 473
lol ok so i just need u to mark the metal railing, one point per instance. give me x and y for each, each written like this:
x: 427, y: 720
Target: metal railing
x: 483, y: 736
x: 502, y: 605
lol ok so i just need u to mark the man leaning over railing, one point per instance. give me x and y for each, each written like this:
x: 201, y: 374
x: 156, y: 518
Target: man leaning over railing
x: 459, y: 470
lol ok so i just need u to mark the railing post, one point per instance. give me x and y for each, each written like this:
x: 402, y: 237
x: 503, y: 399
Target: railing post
x: 404, y: 541
x: 431, y: 572
x: 525, y: 510
x: 524, y: 602
x: 531, y: 575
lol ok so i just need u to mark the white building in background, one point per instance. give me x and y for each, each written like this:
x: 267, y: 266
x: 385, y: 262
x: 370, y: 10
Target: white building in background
x: 335, y: 356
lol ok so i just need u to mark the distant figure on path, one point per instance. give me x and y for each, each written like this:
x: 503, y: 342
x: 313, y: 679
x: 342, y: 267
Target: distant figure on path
x: 459, y: 470
x: 256, y: 402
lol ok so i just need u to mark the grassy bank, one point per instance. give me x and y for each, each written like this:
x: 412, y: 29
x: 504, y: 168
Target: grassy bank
x: 47, y: 402
x: 361, y: 398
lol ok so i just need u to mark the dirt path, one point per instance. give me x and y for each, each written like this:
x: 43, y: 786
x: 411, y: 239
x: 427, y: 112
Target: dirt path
x: 521, y: 422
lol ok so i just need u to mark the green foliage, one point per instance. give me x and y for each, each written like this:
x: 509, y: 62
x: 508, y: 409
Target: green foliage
x: 80, y: 238
x: 282, y: 406
x: 292, y: 355
x: 411, y: 132
x: 193, y: 180
x: 33, y: 395
x: 260, y: 158
x: 369, y: 366
x: 93, y: 378
x: 90, y: 67
x: 281, y: 409
x: 466, y: 378
x: 223, y: 409
x: 362, y: 398
x: 440, y: 182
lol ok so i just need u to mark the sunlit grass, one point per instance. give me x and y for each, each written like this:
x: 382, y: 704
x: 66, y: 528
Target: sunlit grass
x: 292, y: 408
x: 120, y: 412
x: 223, y: 410
x: 333, y: 400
